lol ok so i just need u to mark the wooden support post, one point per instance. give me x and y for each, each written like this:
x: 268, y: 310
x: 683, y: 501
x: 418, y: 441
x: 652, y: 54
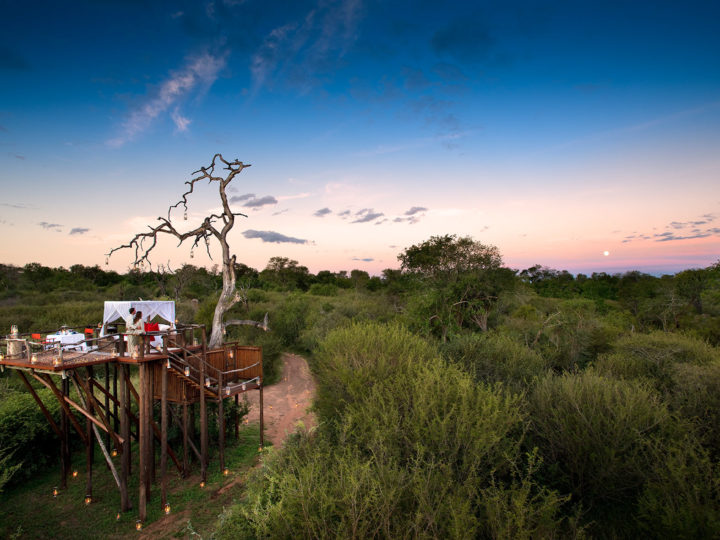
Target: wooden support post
x: 185, y: 429
x: 90, y: 450
x: 64, y: 437
x: 262, y: 421
x: 151, y: 418
x: 236, y: 417
x: 124, y: 398
x: 115, y: 393
x: 163, y: 431
x: 107, y: 401
x: 144, y: 439
x: 203, y: 419
x: 221, y: 422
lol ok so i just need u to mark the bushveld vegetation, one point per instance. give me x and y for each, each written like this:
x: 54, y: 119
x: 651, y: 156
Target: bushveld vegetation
x: 456, y: 397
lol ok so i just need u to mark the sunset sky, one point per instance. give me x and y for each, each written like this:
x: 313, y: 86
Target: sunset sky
x: 557, y: 131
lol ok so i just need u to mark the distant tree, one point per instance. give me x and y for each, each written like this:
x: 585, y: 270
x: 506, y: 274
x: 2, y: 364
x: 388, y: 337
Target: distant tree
x: 690, y: 284
x: 463, y: 277
x: 359, y: 278
x: 286, y: 274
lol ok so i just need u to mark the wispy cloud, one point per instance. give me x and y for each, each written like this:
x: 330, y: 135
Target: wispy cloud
x: 300, y: 52
x: 273, y: 237
x: 50, y: 226
x: 679, y: 230
x: 198, y: 74
x: 241, y: 198
x: 322, y: 212
x: 18, y: 206
x: 344, y: 214
x: 415, y: 210
x: 262, y: 201
x: 79, y: 230
x: 366, y: 259
x: 367, y: 214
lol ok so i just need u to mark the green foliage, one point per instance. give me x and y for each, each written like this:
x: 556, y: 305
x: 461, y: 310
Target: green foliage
x: 652, y: 356
x: 410, y: 446
x: 682, y: 494
x: 323, y: 289
x: 27, y: 438
x: 494, y: 357
x: 598, y: 433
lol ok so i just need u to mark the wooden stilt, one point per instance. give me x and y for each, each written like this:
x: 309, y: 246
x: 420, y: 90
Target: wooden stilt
x: 107, y: 400
x: 262, y: 421
x: 221, y: 422
x: 115, y: 393
x: 236, y: 417
x: 64, y: 438
x: 144, y: 439
x: 151, y: 419
x: 186, y: 434
x: 163, y: 436
x: 124, y: 398
x: 203, y: 421
x: 89, y: 451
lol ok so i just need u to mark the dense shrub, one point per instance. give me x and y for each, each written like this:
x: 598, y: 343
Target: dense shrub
x: 27, y: 438
x: 494, y: 357
x: 323, y: 289
x: 411, y: 447
x: 653, y: 356
x: 682, y: 496
x: 598, y: 433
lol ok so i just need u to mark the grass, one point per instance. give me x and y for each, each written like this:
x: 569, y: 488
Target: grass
x: 31, y: 511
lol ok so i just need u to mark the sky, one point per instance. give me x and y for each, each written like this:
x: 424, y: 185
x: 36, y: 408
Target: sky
x: 582, y: 136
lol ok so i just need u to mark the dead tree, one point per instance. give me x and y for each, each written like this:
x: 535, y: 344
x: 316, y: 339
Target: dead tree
x: 215, y: 226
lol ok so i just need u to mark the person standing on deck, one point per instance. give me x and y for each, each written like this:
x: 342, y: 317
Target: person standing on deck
x: 133, y: 331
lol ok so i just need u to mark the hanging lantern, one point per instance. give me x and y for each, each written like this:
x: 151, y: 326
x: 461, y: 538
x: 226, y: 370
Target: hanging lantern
x: 187, y: 371
x: 243, y: 387
x: 207, y: 382
x: 226, y: 471
x: 202, y: 484
x: 138, y: 525
x: 227, y: 391
x: 107, y: 261
x: 74, y: 474
x: 166, y: 509
x: 185, y: 215
x: 113, y: 453
x: 88, y: 499
x: 168, y: 363
x: 55, y: 492
x: 192, y: 255
x: 33, y: 359
x: 224, y: 330
x: 117, y: 516
x: 56, y: 361
x: 232, y: 354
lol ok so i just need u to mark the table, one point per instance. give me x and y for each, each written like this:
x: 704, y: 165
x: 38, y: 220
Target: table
x: 69, y: 341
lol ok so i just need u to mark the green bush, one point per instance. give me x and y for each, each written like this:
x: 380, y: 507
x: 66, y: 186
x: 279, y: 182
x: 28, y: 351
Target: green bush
x: 598, y: 433
x: 493, y: 357
x: 694, y: 394
x: 653, y: 356
x: 682, y: 496
x: 323, y: 289
x: 409, y: 447
x: 27, y: 438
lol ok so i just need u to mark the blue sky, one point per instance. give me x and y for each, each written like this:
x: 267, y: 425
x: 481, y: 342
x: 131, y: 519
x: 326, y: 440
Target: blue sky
x: 579, y: 135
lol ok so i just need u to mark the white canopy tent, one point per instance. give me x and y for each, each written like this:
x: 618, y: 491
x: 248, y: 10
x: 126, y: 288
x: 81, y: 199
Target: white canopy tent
x: 150, y: 308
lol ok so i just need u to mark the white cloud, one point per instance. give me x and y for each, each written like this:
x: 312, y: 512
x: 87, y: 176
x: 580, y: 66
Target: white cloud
x: 199, y: 73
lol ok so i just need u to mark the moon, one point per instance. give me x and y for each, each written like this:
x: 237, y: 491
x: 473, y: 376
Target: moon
x: 606, y: 253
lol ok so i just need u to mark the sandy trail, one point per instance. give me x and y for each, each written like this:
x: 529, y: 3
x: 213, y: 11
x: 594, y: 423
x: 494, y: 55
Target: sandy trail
x: 286, y: 402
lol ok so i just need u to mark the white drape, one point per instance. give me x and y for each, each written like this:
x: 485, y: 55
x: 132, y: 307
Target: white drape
x: 121, y: 310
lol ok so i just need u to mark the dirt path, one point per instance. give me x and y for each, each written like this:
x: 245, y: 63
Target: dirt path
x: 287, y: 401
